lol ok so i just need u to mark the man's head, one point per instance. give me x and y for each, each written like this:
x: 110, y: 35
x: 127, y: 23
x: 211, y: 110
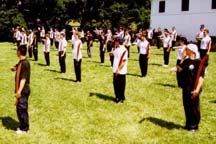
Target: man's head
x: 192, y: 51
x: 21, y: 51
x: 118, y: 41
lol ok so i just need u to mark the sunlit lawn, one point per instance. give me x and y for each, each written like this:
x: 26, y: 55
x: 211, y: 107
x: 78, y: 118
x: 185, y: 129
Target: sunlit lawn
x: 62, y: 111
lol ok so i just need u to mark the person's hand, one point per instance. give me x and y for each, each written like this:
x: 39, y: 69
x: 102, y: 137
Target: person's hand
x: 13, y: 68
x: 148, y: 56
x: 17, y: 95
x: 174, y: 69
x: 62, y: 55
x: 195, y: 93
x: 168, y: 50
x: 16, y: 102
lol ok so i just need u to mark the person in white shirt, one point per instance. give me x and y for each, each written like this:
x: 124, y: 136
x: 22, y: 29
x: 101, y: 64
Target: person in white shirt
x: 30, y: 42
x: 62, y: 52
x: 144, y: 51
x: 42, y: 33
x: 77, y: 55
x: 174, y: 37
x: 119, y: 70
x: 127, y: 41
x: 18, y: 36
x: 180, y: 58
x: 23, y: 38
x: 200, y: 35
x: 167, y: 44
x: 150, y: 35
x: 46, y: 49
x: 56, y: 38
x: 205, y: 46
x: 51, y: 35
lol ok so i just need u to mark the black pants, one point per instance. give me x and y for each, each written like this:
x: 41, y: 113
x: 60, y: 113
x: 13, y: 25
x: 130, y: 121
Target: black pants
x: 191, y: 108
x: 179, y: 75
x: 22, y: 112
x: 111, y: 60
x: 119, y: 83
x: 62, y: 62
x: 89, y: 51
x: 143, y: 62
x: 173, y: 44
x: 30, y: 51
x: 56, y: 44
x: 166, y: 56
x: 102, y: 56
x: 202, y: 55
x: 128, y: 49
x: 77, y: 68
x: 158, y: 43
x: 51, y: 40
x: 150, y: 41
x: 47, y: 58
x: 18, y: 43
x: 198, y: 44
x: 35, y: 53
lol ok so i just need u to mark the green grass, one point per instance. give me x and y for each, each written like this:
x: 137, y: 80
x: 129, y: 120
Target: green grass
x: 62, y: 111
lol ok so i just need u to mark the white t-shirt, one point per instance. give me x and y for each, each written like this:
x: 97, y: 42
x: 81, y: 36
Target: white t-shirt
x: 200, y: 35
x: 150, y: 34
x: 62, y: 45
x: 18, y: 35
x: 73, y: 39
x: 167, y: 41
x: 46, y: 46
x: 42, y: 34
x: 144, y: 47
x: 51, y: 34
x: 180, y: 50
x: 30, y: 39
x: 118, y: 52
x: 205, y: 42
x: 77, y: 54
x: 174, y: 35
x: 23, y: 39
x: 57, y: 36
x: 127, y: 40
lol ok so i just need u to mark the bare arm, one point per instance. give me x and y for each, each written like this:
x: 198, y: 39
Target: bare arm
x: 197, y: 90
x: 120, y: 67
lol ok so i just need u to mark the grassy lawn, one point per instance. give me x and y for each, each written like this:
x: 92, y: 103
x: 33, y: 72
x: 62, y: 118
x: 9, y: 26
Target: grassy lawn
x: 62, y: 111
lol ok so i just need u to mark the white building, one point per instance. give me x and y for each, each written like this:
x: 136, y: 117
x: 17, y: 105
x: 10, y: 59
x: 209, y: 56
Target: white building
x: 185, y: 15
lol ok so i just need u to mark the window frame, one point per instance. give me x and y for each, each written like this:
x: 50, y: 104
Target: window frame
x: 162, y: 6
x: 185, y: 6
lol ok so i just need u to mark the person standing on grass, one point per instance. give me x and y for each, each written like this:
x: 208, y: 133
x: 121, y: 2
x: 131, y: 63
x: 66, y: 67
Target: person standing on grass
x: 56, y: 38
x: 89, y: 44
x: 30, y: 41
x: 174, y: 37
x: 193, y: 70
x: 119, y: 70
x: 159, y: 34
x: 22, y: 89
x: 51, y: 35
x: 77, y: 55
x: 200, y: 35
x: 144, y: 47
x: 62, y: 52
x: 205, y: 46
x: 102, y: 40
x: 46, y: 49
x: 150, y: 35
x: 35, y: 47
x: 180, y: 58
x: 167, y: 44
x: 127, y: 41
x: 23, y: 37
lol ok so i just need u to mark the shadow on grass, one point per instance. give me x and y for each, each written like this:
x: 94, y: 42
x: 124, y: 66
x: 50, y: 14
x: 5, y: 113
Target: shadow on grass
x: 214, y: 101
x: 9, y: 123
x: 135, y: 75
x: 42, y: 64
x: 167, y: 85
x: 162, y: 123
x: 54, y: 71
x: 155, y: 64
x: 102, y: 96
x: 65, y: 79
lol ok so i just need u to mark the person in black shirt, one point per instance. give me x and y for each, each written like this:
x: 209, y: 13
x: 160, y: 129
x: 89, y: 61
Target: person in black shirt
x: 22, y: 89
x: 102, y: 40
x: 192, y: 70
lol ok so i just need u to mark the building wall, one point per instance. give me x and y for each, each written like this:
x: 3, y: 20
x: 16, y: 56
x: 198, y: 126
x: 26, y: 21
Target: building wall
x: 187, y: 23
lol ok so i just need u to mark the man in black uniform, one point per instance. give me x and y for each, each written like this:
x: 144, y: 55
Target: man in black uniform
x: 193, y: 71
x: 22, y: 89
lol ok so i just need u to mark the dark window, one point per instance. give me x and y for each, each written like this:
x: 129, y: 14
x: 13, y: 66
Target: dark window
x: 185, y: 5
x: 213, y: 4
x: 161, y: 6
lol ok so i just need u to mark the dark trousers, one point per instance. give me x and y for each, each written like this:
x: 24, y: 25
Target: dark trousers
x: 30, y: 51
x: 202, y: 54
x: 158, y: 43
x: 179, y: 75
x: 102, y: 56
x: 62, y: 62
x: 198, y: 44
x: 111, y: 60
x: 89, y: 51
x: 51, y: 40
x: 18, y: 43
x: 22, y: 112
x: 77, y: 68
x: 173, y: 44
x: 150, y: 41
x: 47, y: 58
x: 128, y: 49
x: 56, y: 44
x: 119, y: 83
x: 143, y: 62
x: 166, y: 56
x: 191, y: 108
x: 35, y: 53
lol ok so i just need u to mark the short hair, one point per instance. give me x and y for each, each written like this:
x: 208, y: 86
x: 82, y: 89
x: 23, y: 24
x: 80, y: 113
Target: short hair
x: 183, y: 39
x: 206, y: 30
x: 22, y: 49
